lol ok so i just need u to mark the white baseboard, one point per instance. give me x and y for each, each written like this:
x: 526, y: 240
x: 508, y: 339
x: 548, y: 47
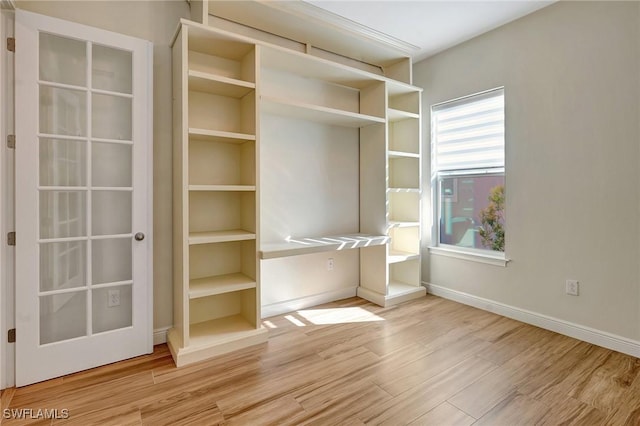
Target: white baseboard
x: 577, y: 331
x: 160, y: 335
x: 306, y: 302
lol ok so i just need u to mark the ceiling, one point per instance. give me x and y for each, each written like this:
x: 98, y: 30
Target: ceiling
x: 430, y: 26
x: 379, y: 33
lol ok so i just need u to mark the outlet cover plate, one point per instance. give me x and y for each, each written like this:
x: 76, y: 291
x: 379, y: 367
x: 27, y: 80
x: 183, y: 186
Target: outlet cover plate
x: 572, y: 287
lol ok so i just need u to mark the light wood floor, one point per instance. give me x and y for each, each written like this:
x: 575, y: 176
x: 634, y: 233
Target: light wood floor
x: 425, y: 362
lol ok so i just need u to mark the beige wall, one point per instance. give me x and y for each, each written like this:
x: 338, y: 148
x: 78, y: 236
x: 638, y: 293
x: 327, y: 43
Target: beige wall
x: 571, y: 74
x: 155, y: 21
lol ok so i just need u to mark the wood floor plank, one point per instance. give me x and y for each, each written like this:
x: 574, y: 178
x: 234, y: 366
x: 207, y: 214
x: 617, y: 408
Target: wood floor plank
x: 254, y: 393
x: 5, y: 398
x: 429, y: 361
x: 444, y: 414
x: 181, y: 407
x: 604, y: 387
x: 481, y: 396
x: 573, y: 412
x: 484, y: 394
x: 112, y: 416
x: 343, y: 410
x: 412, y: 374
x: 317, y: 397
x: 277, y: 412
x: 514, y: 343
x: 99, y: 396
x: 417, y: 401
x: 498, y: 329
x: 515, y: 410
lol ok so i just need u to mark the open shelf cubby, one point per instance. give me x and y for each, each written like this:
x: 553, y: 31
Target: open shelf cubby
x: 404, y: 172
x: 218, y: 268
x: 404, y: 138
x: 221, y: 163
x: 211, y: 211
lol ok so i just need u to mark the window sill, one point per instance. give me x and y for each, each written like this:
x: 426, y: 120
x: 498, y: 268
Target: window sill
x: 495, y: 260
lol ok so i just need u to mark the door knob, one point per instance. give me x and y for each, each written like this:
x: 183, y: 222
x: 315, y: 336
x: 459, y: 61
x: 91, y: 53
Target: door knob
x: 139, y: 236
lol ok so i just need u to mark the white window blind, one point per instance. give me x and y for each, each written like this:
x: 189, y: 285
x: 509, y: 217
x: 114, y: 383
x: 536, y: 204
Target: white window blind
x: 468, y: 133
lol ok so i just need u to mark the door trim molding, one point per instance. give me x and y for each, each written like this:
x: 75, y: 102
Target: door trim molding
x: 7, y: 205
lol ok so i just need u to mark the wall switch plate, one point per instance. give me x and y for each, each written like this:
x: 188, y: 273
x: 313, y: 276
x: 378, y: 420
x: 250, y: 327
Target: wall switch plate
x: 572, y: 287
x: 113, y: 298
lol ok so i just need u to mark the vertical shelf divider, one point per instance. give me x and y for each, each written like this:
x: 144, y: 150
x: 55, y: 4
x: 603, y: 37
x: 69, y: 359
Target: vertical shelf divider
x: 216, y: 278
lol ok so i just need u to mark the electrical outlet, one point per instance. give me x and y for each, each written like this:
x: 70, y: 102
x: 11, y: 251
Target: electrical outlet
x: 113, y: 298
x: 330, y: 264
x: 572, y: 287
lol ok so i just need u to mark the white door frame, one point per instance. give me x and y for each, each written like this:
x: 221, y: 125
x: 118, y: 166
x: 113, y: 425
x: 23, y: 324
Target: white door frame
x: 7, y: 253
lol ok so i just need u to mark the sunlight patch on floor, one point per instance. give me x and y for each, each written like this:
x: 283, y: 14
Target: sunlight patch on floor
x: 294, y: 320
x: 338, y: 315
x: 269, y: 324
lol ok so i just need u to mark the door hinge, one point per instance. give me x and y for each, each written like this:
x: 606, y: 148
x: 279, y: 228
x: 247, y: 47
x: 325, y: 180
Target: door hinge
x: 11, y: 238
x: 11, y: 336
x: 11, y: 141
x: 11, y: 44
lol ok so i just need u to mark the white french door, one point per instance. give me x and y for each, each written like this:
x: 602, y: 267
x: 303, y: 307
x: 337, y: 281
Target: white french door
x: 83, y: 197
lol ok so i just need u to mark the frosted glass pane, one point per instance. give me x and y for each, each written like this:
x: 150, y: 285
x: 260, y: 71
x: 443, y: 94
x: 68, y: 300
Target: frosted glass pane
x: 62, y: 214
x: 63, y: 111
x: 63, y: 316
x: 111, y: 117
x: 110, y: 212
x: 63, y: 60
x: 111, y: 69
x: 111, y: 165
x: 112, y: 308
x: 111, y: 260
x: 63, y: 163
x: 63, y: 265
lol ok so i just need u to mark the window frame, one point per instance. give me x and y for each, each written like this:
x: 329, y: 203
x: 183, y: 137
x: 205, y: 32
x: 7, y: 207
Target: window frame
x: 488, y: 256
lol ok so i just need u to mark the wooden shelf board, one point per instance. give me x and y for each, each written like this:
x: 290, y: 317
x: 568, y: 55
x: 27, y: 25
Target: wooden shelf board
x: 220, y: 236
x: 399, y: 115
x: 220, y: 136
x: 402, y: 154
x: 218, y: 331
x: 404, y: 190
x: 397, y: 256
x: 219, y: 85
x: 316, y: 68
x: 231, y: 188
x: 399, y: 88
x: 228, y: 283
x: 402, y: 224
x: 299, y: 246
x: 317, y: 113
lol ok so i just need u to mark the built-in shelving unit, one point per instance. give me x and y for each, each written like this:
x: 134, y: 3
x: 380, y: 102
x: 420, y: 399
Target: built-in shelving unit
x: 270, y: 143
x: 395, y: 149
x: 216, y: 283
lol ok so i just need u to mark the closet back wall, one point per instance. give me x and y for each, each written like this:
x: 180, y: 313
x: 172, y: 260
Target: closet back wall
x: 155, y: 21
x: 309, y: 187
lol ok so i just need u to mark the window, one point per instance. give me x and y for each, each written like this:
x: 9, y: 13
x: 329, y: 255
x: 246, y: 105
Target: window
x: 467, y: 154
